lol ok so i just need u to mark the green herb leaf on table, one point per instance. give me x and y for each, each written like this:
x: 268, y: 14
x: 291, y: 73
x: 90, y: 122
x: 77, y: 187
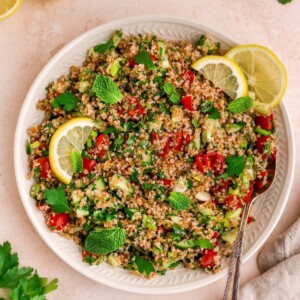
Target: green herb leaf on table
x: 105, y: 241
x: 144, y: 266
x: 179, y: 201
x: 57, y: 199
x: 107, y: 90
x: 144, y: 58
x: 76, y: 161
x: 240, y: 105
x: 67, y: 100
x: 284, y: 1
x: 235, y: 165
x: 23, y: 283
x: 214, y: 114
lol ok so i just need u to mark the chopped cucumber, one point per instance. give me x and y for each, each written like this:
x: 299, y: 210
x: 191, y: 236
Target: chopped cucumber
x: 206, y: 211
x: 180, y: 185
x: 118, y: 182
x: 149, y: 222
x: 176, y: 113
x: 262, y: 131
x: 114, y: 261
x: 96, y: 186
x: 35, y: 145
x: 243, y: 143
x: 185, y: 244
x: 262, y: 108
x: 235, y: 192
x: 231, y: 216
x: 230, y: 236
x: 163, y: 55
x: 115, y: 66
x: 83, y: 86
x: 35, y: 189
x: 232, y: 128
x: 156, y: 249
x: 208, y: 134
x: 197, y: 138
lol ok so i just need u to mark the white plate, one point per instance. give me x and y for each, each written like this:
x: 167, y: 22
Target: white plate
x: 267, y: 210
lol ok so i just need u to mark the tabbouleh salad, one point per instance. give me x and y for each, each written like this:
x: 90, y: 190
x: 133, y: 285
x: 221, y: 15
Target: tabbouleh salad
x: 168, y: 165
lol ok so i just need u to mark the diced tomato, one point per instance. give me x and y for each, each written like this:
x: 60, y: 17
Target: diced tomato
x: 166, y: 182
x: 44, y: 166
x: 102, y: 143
x: 86, y: 254
x: 187, y: 102
x: 132, y: 62
x: 58, y: 221
x: 161, y: 229
x: 165, y: 150
x: 215, y: 235
x: 262, y: 180
x: 261, y: 143
x: 42, y: 146
x: 265, y: 123
x: 131, y: 108
x: 248, y: 195
x: 153, y: 137
x: 88, y: 164
x: 153, y: 57
x: 250, y: 219
x: 221, y: 186
x: 207, y: 259
x: 212, y: 161
x: 189, y: 75
x: 233, y: 202
x: 178, y: 141
x: 272, y: 158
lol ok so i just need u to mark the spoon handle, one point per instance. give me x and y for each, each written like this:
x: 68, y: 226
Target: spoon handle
x: 233, y: 279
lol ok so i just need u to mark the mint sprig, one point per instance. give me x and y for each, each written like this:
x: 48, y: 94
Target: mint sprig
x: 170, y: 90
x: 144, y: 58
x: 235, y: 165
x: 104, y: 241
x: 240, y: 105
x: 107, y: 90
x: 179, y: 201
x: 57, y: 199
x: 144, y: 266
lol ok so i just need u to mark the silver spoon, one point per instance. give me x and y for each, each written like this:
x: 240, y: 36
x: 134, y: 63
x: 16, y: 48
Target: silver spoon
x: 233, y: 279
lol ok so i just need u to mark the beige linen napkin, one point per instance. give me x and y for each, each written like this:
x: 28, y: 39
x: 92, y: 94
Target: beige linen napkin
x: 279, y: 262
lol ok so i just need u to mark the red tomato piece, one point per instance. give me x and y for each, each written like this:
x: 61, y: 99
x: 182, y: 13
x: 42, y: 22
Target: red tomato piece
x: 153, y: 137
x: 187, y: 102
x: 88, y: 164
x: 165, y: 150
x: 217, y: 162
x: 42, y: 146
x: 178, y: 141
x: 153, y: 57
x: 166, y: 182
x: 265, y: 123
x: 215, y: 235
x: 233, y: 202
x: 272, y: 158
x: 132, y: 62
x: 161, y: 229
x: 202, y: 162
x: 262, y: 180
x: 250, y: 219
x: 44, y: 166
x: 248, y: 195
x: 207, y: 259
x: 261, y: 143
x: 189, y: 75
x: 221, y: 186
x: 102, y: 143
x: 58, y: 221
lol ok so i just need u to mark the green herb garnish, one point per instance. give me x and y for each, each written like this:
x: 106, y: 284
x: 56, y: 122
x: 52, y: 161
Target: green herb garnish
x: 57, y: 199
x: 235, y: 165
x: 170, y: 90
x: 240, y: 105
x: 214, y: 114
x: 144, y: 266
x: 76, y: 161
x: 107, y: 90
x: 179, y: 201
x: 144, y: 58
x: 67, y: 100
x: 104, y: 241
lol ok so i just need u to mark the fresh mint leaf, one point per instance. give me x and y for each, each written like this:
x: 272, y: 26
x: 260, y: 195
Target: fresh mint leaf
x: 284, y: 1
x: 134, y: 176
x: 57, y: 199
x: 107, y: 90
x: 240, y: 105
x: 76, y: 161
x: 144, y: 58
x: 214, y: 114
x: 235, y: 165
x: 168, y: 88
x: 179, y: 201
x: 144, y: 266
x: 67, y: 100
x: 104, y: 241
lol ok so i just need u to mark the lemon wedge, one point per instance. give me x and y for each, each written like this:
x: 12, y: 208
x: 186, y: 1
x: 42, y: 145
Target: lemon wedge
x: 8, y: 7
x: 69, y: 137
x: 223, y: 73
x: 265, y: 73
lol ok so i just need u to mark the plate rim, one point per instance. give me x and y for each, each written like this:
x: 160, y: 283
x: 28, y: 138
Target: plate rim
x: 149, y: 290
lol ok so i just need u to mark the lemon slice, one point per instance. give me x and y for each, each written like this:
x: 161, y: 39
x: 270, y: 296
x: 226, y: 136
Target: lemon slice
x: 265, y: 73
x: 8, y: 7
x: 223, y: 73
x: 69, y: 137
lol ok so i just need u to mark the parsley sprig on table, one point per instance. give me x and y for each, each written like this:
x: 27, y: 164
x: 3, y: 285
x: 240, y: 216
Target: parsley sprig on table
x: 22, y: 281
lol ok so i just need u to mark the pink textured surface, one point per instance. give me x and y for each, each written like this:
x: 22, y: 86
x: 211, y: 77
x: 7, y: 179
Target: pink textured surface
x: 41, y: 27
